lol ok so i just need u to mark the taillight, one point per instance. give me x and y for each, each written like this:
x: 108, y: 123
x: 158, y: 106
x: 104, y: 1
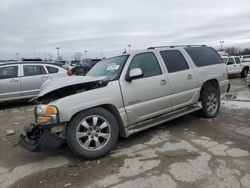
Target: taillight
x: 70, y: 73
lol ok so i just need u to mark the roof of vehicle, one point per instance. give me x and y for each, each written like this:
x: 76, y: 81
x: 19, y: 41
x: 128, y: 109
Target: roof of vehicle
x: 29, y: 62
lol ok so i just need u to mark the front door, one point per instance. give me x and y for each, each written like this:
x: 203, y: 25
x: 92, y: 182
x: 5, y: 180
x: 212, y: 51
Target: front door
x: 147, y: 96
x: 9, y: 82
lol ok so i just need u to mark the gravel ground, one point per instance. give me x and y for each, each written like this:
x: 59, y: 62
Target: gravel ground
x: 186, y: 152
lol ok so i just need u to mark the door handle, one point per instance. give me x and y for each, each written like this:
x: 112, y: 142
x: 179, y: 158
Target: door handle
x: 44, y: 77
x: 189, y: 77
x: 163, y: 82
x: 13, y: 80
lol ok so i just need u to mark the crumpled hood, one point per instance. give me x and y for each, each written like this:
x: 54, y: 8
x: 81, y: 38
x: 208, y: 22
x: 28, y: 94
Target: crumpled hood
x: 60, y: 82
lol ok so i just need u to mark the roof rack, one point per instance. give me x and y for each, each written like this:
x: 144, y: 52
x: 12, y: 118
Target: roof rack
x: 154, y: 47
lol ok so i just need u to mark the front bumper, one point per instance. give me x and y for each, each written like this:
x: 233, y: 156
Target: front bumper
x: 39, y: 139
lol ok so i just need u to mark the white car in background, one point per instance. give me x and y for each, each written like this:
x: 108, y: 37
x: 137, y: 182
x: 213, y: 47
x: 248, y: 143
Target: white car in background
x: 235, y: 66
x: 22, y: 80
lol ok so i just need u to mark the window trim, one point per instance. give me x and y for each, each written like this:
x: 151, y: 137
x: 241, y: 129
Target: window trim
x: 181, y: 55
x: 127, y: 72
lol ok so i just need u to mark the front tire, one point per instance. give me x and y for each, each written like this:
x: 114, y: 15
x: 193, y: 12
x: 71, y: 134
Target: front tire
x: 92, y: 133
x: 210, y: 100
x: 244, y: 73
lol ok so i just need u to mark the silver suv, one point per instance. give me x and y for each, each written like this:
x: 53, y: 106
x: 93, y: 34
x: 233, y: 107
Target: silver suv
x: 126, y: 94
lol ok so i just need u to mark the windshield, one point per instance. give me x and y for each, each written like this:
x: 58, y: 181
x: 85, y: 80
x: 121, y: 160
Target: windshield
x: 224, y: 59
x: 111, y: 68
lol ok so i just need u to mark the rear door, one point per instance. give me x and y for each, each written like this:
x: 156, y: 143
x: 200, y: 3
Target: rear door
x: 182, y: 81
x: 34, y: 75
x: 9, y: 82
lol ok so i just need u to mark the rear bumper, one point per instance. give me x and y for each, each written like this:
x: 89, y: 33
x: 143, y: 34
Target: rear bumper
x: 39, y: 139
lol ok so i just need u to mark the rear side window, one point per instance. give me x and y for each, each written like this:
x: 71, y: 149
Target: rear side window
x: 8, y: 72
x: 174, y: 60
x: 237, y: 60
x: 203, y: 56
x: 31, y: 70
x: 52, y: 69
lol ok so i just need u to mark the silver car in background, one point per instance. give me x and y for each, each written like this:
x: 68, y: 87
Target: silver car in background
x: 22, y: 80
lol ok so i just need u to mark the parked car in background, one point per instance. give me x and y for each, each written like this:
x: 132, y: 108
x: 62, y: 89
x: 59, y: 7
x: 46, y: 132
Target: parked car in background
x: 235, y: 66
x: 84, y: 67
x: 22, y: 80
x: 245, y: 58
x: 126, y: 94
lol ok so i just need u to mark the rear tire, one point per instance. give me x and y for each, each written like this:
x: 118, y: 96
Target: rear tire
x: 244, y: 73
x: 210, y: 100
x: 92, y: 133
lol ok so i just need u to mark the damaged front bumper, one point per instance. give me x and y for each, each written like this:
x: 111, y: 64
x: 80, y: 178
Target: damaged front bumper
x: 39, y: 138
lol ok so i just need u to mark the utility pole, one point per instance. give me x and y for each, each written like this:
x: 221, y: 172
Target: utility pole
x: 86, y: 54
x: 17, y: 56
x: 221, y: 44
x: 58, y: 48
x: 129, y: 47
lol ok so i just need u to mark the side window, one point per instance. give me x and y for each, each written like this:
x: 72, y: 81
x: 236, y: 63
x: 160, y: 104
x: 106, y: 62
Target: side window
x: 31, y: 70
x: 8, y: 72
x: 237, y: 60
x: 174, y: 60
x: 52, y: 69
x: 203, y: 56
x: 147, y: 62
x: 230, y: 61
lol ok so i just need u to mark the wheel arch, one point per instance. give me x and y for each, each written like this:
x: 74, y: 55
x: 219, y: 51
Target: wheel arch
x: 111, y: 108
x: 211, y: 82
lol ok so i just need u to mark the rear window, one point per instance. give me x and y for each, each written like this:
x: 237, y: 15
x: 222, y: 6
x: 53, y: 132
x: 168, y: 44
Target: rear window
x: 203, y: 56
x: 52, y: 69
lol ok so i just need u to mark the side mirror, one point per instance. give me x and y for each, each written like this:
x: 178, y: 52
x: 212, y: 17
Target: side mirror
x: 133, y: 74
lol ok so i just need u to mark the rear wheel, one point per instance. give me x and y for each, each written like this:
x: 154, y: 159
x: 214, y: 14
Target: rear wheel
x: 210, y: 99
x: 92, y: 134
x: 244, y: 73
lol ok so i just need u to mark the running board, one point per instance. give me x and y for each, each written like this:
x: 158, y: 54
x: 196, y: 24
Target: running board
x: 161, y: 119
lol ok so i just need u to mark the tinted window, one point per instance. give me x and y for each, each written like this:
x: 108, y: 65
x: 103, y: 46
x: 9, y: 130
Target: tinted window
x: 203, y: 56
x: 8, y: 72
x: 31, y: 70
x: 147, y: 62
x: 230, y: 61
x: 237, y: 60
x: 52, y: 69
x: 174, y: 60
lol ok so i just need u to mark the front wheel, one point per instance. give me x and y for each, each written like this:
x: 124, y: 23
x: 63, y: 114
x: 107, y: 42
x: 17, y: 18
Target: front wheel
x: 93, y: 133
x: 244, y: 73
x: 210, y: 99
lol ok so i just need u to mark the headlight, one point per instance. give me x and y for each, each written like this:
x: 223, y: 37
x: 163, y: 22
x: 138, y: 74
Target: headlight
x: 46, y: 114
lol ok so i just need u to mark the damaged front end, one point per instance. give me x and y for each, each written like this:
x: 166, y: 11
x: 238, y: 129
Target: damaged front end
x: 37, y: 139
x: 48, y: 132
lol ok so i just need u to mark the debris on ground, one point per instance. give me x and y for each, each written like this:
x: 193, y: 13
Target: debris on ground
x: 67, y: 184
x: 10, y: 132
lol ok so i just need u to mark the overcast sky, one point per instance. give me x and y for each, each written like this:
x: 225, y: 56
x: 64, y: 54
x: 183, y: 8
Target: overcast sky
x: 106, y: 27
